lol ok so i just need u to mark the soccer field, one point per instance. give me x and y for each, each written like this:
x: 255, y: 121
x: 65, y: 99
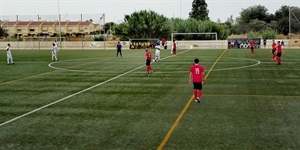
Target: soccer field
x: 94, y: 100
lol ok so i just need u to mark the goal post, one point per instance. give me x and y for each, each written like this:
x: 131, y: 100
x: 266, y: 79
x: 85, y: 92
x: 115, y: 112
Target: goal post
x: 294, y: 27
x: 202, y: 40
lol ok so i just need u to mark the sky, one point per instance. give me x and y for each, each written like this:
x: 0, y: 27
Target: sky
x: 115, y: 10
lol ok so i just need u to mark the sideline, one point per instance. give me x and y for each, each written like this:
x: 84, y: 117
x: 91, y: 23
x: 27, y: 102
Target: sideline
x: 77, y: 93
x: 175, y: 124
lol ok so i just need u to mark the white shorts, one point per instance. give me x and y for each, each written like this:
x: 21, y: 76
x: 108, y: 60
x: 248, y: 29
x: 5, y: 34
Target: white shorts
x: 157, y: 53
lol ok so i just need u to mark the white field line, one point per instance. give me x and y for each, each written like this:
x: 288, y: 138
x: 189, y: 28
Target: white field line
x: 77, y: 93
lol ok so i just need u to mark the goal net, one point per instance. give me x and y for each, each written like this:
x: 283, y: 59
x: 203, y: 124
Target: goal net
x: 41, y: 42
x: 197, y: 40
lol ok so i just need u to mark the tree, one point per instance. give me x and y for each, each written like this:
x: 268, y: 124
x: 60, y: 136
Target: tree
x: 2, y: 31
x: 257, y: 25
x: 121, y: 30
x: 199, y: 10
x: 258, y: 12
x: 144, y: 24
x: 230, y: 20
x: 282, y: 17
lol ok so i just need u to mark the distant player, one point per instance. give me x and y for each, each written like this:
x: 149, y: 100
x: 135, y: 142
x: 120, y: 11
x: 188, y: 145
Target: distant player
x: 54, y: 52
x: 148, y: 61
x: 274, y: 45
x: 282, y: 43
x: 174, y: 48
x: 163, y: 42
x: 157, y: 53
x: 252, y: 46
x: 119, y: 49
x: 279, y: 52
x: 197, y: 77
x: 57, y: 48
x: 9, y: 55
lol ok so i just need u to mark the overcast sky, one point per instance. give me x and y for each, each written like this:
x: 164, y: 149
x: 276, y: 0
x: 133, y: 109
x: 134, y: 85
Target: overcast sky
x: 115, y: 10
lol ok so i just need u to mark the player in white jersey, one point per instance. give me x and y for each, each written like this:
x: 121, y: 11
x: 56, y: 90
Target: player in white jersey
x: 57, y: 49
x: 9, y: 56
x: 54, y: 52
x: 157, y: 53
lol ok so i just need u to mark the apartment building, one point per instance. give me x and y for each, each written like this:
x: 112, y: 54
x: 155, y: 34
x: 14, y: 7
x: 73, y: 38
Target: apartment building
x: 48, y: 28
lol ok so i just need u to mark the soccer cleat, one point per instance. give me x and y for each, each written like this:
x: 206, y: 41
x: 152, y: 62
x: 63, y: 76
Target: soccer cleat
x: 197, y: 101
x: 279, y: 63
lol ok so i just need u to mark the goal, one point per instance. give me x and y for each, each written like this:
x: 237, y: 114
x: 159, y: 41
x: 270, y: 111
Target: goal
x: 197, y: 40
x: 41, y: 42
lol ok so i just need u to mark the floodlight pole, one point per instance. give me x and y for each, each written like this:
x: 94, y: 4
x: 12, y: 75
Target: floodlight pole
x: 18, y: 32
x: 105, y: 36
x: 59, y: 20
x: 180, y: 9
x: 289, y: 26
x: 38, y: 32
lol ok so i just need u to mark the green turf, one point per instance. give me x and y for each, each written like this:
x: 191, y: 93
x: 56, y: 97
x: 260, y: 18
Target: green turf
x: 249, y: 102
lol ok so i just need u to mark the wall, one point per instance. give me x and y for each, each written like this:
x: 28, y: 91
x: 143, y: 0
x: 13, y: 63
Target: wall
x: 220, y: 44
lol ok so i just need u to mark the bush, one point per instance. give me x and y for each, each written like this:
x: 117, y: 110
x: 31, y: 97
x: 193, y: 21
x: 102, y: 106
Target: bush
x: 99, y: 38
x: 268, y: 34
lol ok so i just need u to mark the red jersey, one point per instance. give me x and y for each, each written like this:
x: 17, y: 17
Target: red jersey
x: 197, y: 72
x: 174, y: 45
x: 279, y: 48
x: 274, y: 46
x: 163, y: 41
x: 251, y: 43
x: 148, y: 56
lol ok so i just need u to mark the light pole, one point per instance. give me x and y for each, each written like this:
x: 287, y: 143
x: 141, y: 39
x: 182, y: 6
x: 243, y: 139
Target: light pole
x: 289, y: 26
x: 59, y: 20
x: 180, y: 9
x: 38, y: 31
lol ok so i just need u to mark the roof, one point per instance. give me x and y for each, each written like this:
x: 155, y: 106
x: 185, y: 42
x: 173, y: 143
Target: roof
x: 10, y: 23
x: 72, y: 23
x: 85, y: 23
x: 23, y: 23
x: 48, y: 23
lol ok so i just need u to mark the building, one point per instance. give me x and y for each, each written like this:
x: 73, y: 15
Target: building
x: 48, y: 28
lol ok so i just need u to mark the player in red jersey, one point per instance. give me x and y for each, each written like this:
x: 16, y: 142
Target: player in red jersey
x: 174, y: 47
x: 252, y: 46
x: 148, y: 60
x: 274, y: 50
x: 279, y: 52
x: 197, y: 77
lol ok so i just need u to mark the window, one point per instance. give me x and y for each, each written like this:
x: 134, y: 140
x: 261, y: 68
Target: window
x: 19, y: 29
x: 45, y: 28
x: 31, y: 30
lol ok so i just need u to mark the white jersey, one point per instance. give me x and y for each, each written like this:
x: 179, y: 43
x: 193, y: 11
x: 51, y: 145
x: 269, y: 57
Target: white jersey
x: 9, y: 56
x: 157, y: 53
x: 54, y: 49
x: 8, y: 50
x: 157, y: 47
x: 56, y: 45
